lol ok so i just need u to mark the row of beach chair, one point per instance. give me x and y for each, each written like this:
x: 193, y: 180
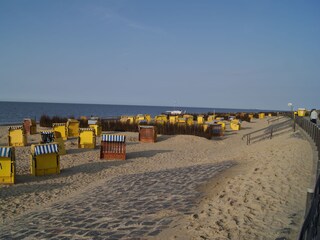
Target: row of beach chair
x: 45, y: 157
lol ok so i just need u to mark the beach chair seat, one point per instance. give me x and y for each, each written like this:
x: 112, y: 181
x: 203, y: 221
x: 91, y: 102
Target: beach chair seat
x: 73, y: 128
x: 30, y: 126
x: 113, y: 147
x: 7, y: 165
x: 62, y: 129
x: 147, y: 133
x: 87, y: 138
x: 53, y: 136
x: 45, y: 159
x: 17, y: 136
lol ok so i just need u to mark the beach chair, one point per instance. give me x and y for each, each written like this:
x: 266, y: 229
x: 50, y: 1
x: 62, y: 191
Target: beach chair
x: 7, y: 165
x: 161, y: 119
x: 182, y: 121
x: 200, y: 119
x: 45, y: 159
x: 301, y: 112
x: 147, y: 117
x: 30, y: 126
x: 261, y: 115
x: 17, y: 136
x: 87, y: 138
x: 147, y: 134
x: 223, y: 125
x: 73, y: 128
x: 62, y: 129
x: 96, y: 125
x: 173, y: 119
x: 58, y: 139
x: 113, y: 147
x: 217, y: 130
x: 235, y: 125
x: 47, y: 137
x: 211, y: 118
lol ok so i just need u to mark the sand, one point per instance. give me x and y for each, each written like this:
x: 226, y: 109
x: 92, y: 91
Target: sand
x: 261, y: 197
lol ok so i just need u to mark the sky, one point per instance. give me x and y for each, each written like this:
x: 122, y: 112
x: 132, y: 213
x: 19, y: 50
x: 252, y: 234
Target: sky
x: 210, y: 53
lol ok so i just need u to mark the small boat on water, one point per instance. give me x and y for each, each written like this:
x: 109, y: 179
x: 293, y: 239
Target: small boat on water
x: 175, y: 112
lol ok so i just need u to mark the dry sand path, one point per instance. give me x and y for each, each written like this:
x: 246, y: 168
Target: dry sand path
x: 262, y: 196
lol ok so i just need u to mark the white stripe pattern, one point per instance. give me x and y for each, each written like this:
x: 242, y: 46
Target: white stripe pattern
x: 5, y: 152
x: 15, y: 127
x: 86, y: 129
x: 113, y: 138
x: 46, y: 149
x: 47, y: 132
x: 58, y: 124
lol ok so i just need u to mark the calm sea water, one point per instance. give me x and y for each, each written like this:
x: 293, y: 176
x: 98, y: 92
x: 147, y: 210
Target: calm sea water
x: 15, y: 112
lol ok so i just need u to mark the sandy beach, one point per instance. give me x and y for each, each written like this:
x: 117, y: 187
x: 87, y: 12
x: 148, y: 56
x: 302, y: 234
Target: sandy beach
x: 259, y: 194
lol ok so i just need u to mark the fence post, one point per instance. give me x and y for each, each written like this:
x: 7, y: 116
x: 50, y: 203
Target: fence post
x: 310, y: 193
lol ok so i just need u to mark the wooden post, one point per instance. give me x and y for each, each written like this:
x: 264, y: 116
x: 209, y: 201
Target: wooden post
x: 310, y: 193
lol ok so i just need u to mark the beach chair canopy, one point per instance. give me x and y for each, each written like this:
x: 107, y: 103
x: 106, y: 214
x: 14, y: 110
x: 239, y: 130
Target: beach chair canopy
x: 113, y: 138
x: 46, y: 149
x: 5, y: 152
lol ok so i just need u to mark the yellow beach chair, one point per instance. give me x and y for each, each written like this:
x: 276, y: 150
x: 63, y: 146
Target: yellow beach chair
x: 58, y: 139
x: 200, y: 119
x: 235, y: 125
x: 173, y: 119
x: 261, y: 115
x: 161, y: 119
x: 7, y: 165
x: 95, y: 123
x: 45, y: 159
x: 17, y: 136
x: 87, y: 138
x: 73, y: 128
x: 301, y: 112
x: 62, y: 129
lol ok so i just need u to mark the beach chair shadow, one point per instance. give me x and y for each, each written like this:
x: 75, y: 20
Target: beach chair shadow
x: 81, y: 150
x: 146, y: 154
x: 21, y: 188
x: 91, y: 167
x: 161, y: 138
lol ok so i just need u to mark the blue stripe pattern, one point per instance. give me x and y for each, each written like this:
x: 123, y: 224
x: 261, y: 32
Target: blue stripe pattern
x: 46, y: 149
x: 113, y: 138
x: 5, y: 152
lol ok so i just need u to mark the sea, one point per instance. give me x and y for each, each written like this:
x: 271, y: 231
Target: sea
x: 15, y: 112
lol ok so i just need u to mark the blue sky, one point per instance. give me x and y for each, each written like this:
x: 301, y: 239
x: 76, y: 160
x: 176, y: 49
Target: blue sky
x: 208, y: 53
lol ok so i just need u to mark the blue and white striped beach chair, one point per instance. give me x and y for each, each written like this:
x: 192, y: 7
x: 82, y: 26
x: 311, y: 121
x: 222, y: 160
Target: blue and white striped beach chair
x: 45, y: 159
x: 7, y: 165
